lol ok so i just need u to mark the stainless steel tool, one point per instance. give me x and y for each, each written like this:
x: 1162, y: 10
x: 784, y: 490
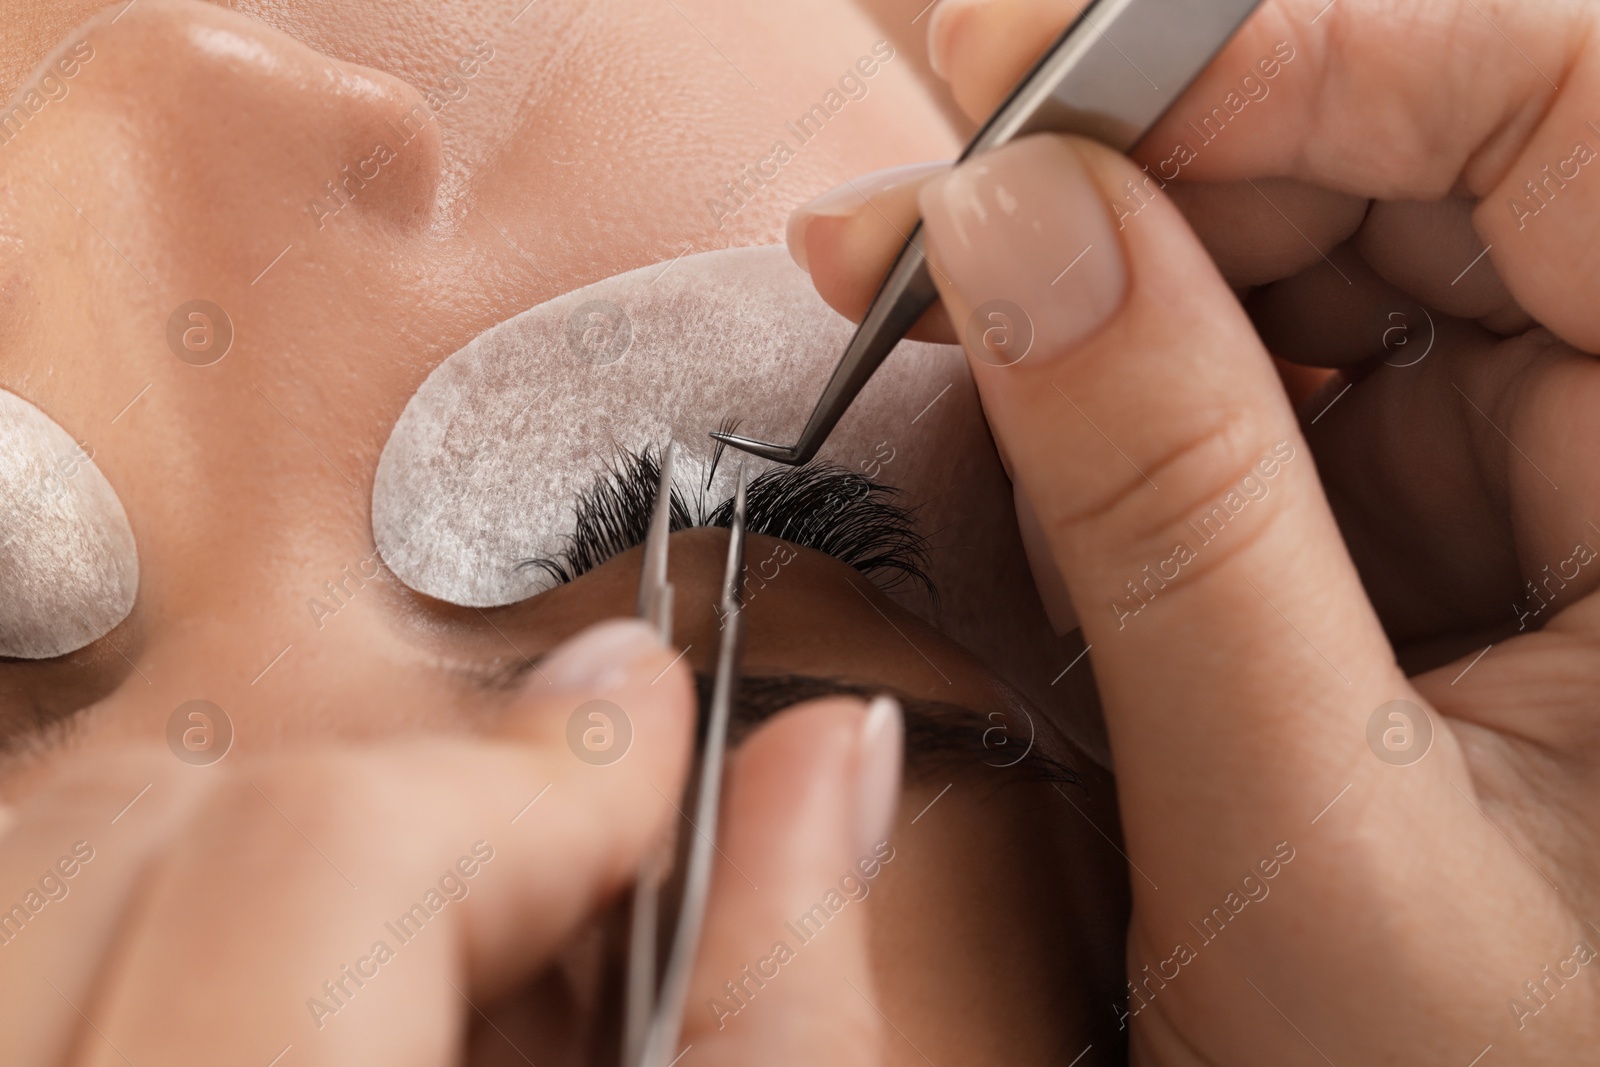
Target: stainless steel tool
x: 1111, y: 75
x: 653, y: 1012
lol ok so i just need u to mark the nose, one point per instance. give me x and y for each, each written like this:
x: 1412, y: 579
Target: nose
x: 186, y: 146
x: 227, y: 118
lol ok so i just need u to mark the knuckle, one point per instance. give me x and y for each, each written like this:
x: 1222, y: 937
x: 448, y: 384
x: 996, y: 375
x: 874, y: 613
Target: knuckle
x: 1199, y: 490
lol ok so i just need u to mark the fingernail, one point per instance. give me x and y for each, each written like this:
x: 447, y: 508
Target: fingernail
x: 846, y: 200
x: 1024, y: 229
x: 878, y: 760
x: 601, y: 658
x: 1047, y: 577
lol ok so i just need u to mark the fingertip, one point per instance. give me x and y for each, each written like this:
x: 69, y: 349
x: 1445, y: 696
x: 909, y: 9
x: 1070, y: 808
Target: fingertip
x: 944, y: 29
x: 800, y: 743
x: 807, y: 790
x: 612, y: 688
x: 828, y: 772
x: 841, y: 265
x: 602, y: 657
x: 848, y: 237
x: 783, y: 758
x: 879, y: 760
x: 794, y: 237
x: 1025, y: 252
x: 982, y: 48
x: 837, y: 204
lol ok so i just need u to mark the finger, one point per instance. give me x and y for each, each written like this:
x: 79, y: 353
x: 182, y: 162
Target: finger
x: 1149, y: 433
x: 1236, y: 655
x: 73, y: 856
x: 811, y: 798
x: 1333, y: 95
x: 983, y: 47
x: 1257, y: 231
x: 849, y: 237
x: 1489, y: 429
x: 1431, y: 250
x: 365, y: 901
x: 1337, y: 313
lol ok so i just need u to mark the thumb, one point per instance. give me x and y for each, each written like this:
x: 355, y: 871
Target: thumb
x: 782, y: 977
x: 1160, y: 462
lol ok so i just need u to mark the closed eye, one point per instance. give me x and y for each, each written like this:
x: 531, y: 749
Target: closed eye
x: 819, y: 506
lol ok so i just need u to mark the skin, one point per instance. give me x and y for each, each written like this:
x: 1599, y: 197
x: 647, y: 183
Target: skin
x: 1425, y: 890
x: 181, y: 161
x: 1473, y: 901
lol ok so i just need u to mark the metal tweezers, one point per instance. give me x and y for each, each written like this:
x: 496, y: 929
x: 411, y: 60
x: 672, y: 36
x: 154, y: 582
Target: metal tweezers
x: 653, y: 1011
x: 1111, y: 75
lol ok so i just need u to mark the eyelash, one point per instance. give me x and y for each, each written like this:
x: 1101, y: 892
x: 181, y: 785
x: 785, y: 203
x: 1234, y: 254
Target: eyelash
x: 819, y: 506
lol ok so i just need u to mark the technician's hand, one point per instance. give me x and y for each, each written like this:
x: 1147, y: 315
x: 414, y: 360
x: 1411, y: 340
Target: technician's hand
x: 186, y: 917
x: 1313, y: 882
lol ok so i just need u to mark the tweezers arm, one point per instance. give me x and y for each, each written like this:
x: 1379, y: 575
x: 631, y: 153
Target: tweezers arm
x: 667, y: 1024
x: 1115, y: 71
x: 905, y: 294
x: 1111, y: 75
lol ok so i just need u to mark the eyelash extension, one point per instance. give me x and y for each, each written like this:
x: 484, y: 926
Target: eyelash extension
x: 613, y: 515
x: 820, y: 506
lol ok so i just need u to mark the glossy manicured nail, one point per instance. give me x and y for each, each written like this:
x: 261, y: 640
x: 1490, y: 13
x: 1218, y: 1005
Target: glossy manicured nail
x: 1023, y: 237
x: 847, y: 200
x: 601, y: 658
x: 879, y: 756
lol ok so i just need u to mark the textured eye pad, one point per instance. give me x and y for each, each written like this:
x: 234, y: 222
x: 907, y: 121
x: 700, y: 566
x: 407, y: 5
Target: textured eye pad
x: 69, y: 568
x: 484, y: 465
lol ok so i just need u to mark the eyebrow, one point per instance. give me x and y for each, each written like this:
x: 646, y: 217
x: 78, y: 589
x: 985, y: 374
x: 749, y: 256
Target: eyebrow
x: 939, y: 736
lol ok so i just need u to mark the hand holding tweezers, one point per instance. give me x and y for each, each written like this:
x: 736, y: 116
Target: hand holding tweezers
x: 653, y: 1012
x: 1110, y: 75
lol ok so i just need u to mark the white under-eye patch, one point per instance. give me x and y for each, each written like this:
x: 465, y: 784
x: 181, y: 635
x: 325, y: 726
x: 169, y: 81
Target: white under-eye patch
x: 69, y: 569
x: 483, y: 467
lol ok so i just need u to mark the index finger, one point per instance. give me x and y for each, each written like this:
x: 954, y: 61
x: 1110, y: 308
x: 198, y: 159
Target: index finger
x: 1485, y: 99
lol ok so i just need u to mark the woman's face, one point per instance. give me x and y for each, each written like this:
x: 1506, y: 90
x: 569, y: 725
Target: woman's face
x: 360, y: 189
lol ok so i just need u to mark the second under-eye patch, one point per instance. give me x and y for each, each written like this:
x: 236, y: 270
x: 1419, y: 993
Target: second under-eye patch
x: 69, y: 568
